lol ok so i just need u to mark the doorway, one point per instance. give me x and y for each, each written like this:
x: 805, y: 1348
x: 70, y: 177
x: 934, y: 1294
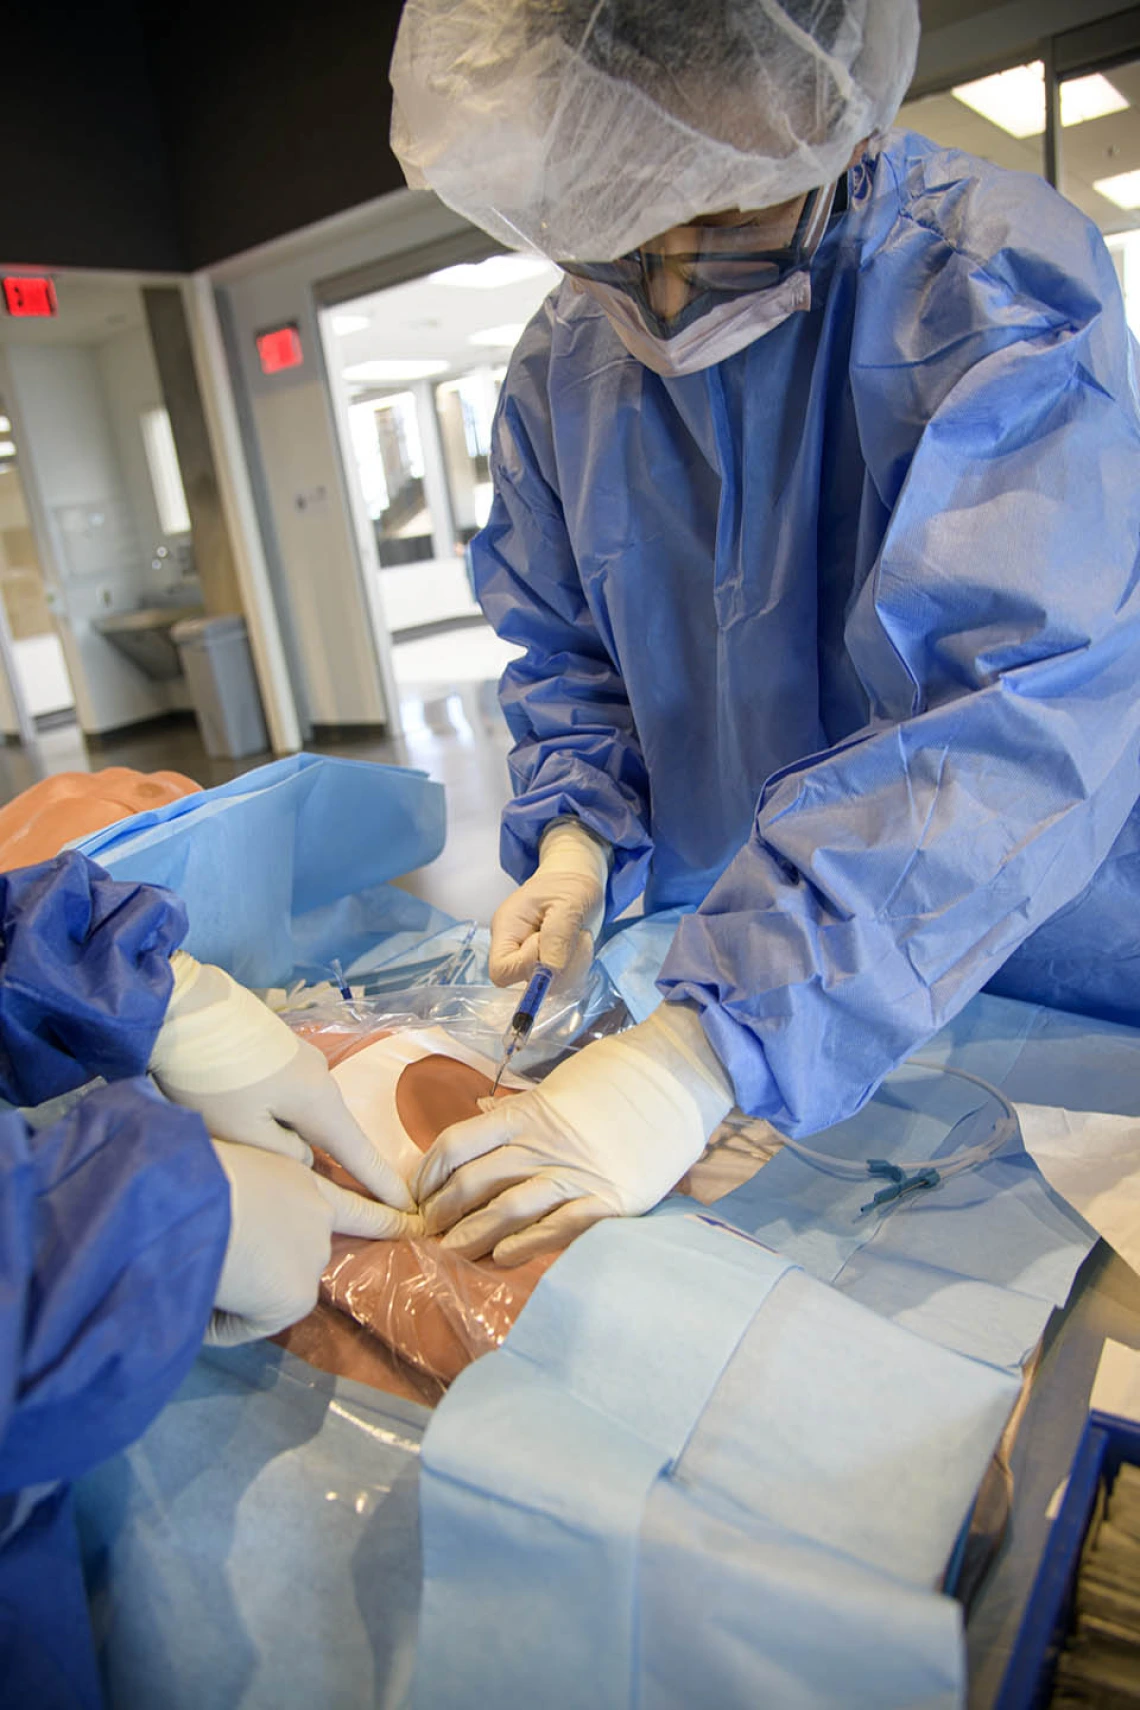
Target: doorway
x: 97, y: 559
x: 416, y: 369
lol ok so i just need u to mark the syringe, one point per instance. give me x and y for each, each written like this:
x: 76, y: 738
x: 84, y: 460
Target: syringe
x: 521, y: 1022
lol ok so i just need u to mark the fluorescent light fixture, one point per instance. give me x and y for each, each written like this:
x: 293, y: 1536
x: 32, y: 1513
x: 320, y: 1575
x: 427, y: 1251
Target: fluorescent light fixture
x: 7, y: 448
x: 381, y: 370
x: 342, y: 325
x: 496, y: 270
x: 5, y: 425
x: 1123, y: 189
x: 1015, y: 99
x: 1084, y: 98
x: 501, y: 337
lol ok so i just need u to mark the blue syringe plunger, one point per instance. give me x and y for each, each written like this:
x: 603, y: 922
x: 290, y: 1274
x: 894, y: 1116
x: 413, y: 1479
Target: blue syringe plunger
x: 521, y: 1022
x: 529, y: 1005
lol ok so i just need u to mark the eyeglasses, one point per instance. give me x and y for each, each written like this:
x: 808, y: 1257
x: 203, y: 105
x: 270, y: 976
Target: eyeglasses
x: 721, y: 260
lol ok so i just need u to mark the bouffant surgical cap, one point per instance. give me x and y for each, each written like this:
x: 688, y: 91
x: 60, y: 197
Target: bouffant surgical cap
x: 580, y: 128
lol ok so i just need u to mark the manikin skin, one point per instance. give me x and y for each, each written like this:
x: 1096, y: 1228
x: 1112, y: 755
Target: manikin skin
x: 42, y: 820
x: 405, y: 1316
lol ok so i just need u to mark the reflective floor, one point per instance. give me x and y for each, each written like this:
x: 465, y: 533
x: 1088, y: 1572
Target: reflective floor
x: 453, y: 731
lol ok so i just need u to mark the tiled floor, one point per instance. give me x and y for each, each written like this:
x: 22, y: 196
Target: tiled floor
x: 454, y: 731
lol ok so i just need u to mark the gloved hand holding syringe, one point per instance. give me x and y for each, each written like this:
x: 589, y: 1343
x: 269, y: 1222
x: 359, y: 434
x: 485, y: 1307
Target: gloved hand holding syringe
x: 522, y: 1021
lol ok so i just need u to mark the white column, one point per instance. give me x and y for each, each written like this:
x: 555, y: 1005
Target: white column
x: 364, y: 534
x: 436, y: 489
x: 241, y: 516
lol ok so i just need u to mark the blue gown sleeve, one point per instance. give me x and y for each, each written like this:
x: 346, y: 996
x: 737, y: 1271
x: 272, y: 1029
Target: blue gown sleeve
x: 576, y: 749
x: 113, y: 1227
x: 998, y: 639
x: 85, y: 975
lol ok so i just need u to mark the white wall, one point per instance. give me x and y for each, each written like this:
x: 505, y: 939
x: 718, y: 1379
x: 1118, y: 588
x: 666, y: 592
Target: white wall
x: 130, y: 386
x: 85, y: 522
x: 319, y: 561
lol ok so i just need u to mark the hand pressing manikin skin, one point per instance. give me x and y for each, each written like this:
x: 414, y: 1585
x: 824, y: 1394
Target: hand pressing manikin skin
x: 405, y: 1316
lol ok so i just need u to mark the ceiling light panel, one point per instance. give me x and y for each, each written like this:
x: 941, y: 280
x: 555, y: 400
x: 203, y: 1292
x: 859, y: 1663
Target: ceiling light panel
x: 1015, y: 99
x: 1123, y: 188
x: 495, y: 271
x: 1085, y: 98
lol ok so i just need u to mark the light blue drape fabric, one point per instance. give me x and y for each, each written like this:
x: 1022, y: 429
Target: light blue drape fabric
x: 285, y: 868
x: 259, y: 1546
x: 677, y: 1412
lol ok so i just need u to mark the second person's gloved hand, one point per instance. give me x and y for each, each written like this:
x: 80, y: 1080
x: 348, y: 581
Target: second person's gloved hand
x: 557, y: 914
x: 282, y: 1218
x: 223, y: 1053
x: 607, y: 1134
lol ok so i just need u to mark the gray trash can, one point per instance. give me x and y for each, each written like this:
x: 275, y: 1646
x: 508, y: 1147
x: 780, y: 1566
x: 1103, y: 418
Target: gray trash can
x: 219, y: 670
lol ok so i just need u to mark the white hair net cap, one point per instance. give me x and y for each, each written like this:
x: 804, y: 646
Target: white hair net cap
x: 580, y: 128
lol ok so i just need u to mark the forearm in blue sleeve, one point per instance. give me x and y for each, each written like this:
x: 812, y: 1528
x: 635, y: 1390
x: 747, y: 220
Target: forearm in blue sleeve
x: 576, y: 749
x: 113, y: 1227
x: 84, y: 975
x: 885, y: 882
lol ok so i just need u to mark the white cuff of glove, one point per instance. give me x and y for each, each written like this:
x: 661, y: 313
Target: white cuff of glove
x: 674, y: 1038
x: 191, y: 1054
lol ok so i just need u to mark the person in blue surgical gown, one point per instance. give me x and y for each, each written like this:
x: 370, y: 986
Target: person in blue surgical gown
x: 817, y: 514
x: 126, y: 1232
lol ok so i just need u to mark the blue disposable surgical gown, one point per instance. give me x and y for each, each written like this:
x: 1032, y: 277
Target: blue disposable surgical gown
x: 113, y: 1226
x: 838, y: 641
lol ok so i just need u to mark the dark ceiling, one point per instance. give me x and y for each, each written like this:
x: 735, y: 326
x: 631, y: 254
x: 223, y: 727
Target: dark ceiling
x: 156, y: 135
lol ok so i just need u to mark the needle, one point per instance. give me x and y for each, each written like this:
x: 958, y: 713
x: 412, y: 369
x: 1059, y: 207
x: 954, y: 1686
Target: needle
x: 521, y: 1022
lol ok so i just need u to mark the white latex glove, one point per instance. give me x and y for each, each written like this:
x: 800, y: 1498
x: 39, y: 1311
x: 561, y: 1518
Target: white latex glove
x: 222, y: 1053
x: 556, y: 915
x: 608, y: 1133
x: 282, y: 1216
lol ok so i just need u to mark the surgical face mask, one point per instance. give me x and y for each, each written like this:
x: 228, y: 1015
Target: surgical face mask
x: 735, y: 292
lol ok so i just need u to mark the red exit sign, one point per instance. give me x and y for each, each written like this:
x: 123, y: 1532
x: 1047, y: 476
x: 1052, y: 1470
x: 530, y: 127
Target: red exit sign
x: 279, y: 348
x: 29, y: 296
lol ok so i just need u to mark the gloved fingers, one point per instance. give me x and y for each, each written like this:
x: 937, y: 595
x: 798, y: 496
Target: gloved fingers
x: 572, y: 976
x: 462, y: 1142
x: 550, y: 1234
x: 514, y: 934
x: 559, y: 934
x: 279, y: 1243
x: 260, y: 1131
x: 230, y: 1329
x: 514, y: 1209
x: 320, y: 1116
x: 509, y: 963
x: 352, y: 1214
x: 476, y: 1184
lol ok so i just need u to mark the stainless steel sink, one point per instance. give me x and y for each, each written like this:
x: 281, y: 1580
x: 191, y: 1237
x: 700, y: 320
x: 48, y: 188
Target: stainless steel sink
x: 144, y: 637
